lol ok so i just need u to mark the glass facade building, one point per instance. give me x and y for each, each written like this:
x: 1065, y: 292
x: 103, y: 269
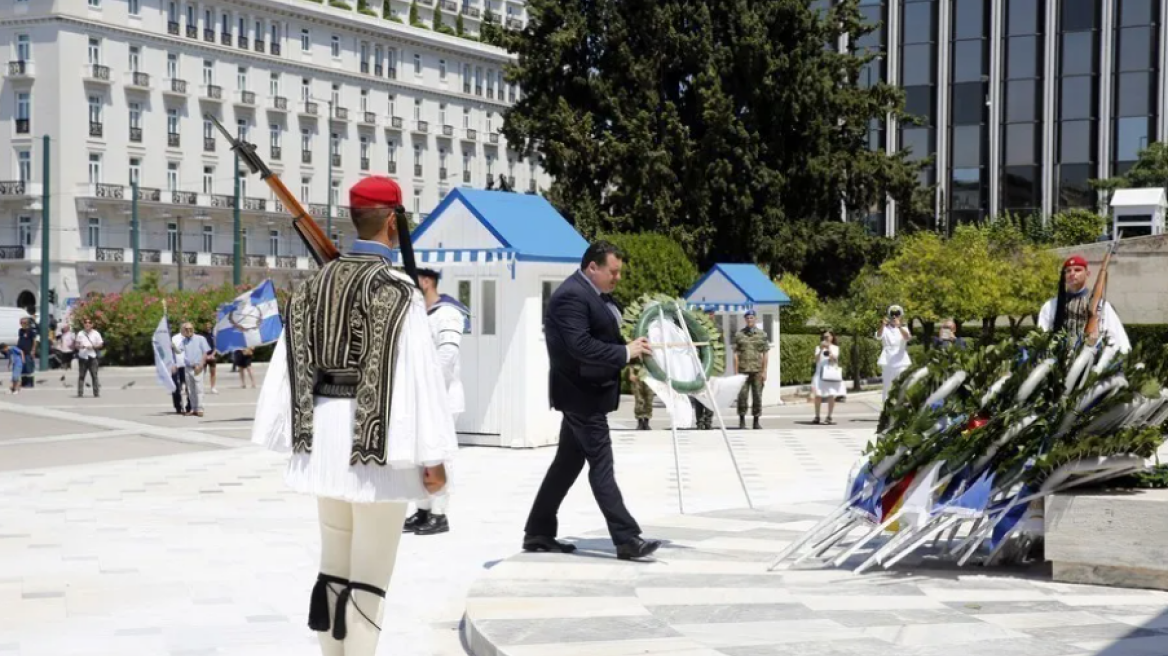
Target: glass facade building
x: 1019, y: 102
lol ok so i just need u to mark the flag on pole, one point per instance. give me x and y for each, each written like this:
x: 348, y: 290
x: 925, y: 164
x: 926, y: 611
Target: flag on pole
x: 164, y: 354
x: 251, y: 320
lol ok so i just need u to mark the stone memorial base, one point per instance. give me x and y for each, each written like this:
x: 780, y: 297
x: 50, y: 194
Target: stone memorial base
x: 1116, y: 538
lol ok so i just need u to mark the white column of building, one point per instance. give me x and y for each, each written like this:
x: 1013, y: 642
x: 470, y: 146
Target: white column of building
x: 993, y: 169
x: 1050, y: 108
x: 1106, y: 84
x: 944, y: 29
x: 891, y: 130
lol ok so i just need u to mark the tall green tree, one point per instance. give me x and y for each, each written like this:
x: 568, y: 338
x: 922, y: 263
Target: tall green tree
x: 654, y: 264
x: 1150, y: 170
x: 714, y: 123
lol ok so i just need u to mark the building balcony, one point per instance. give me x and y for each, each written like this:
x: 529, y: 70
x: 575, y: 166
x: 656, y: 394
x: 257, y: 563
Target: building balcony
x: 514, y: 23
x: 340, y: 114
x: 222, y: 201
x: 466, y: 88
x: 369, y: 118
x: 275, y: 49
x: 306, y: 157
x: 96, y: 73
x: 208, y: 145
x: 531, y: 187
x: 20, y: 68
x: 395, y: 122
x: 470, y: 135
x: 449, y: 5
x: 365, y: 67
x: 182, y: 197
x: 23, y: 126
x: 421, y: 127
x: 473, y: 12
x: 245, y: 98
x: 25, y: 253
x: 103, y: 191
x: 276, y: 153
x: 139, y: 81
x: 175, y: 87
x: 278, y: 103
x: 478, y: 89
x: 442, y: 173
x: 417, y: 170
x: 209, y: 36
x: 225, y: 38
x: 212, y: 92
x: 379, y: 70
x: 255, y: 205
x: 426, y: 3
x: 192, y: 31
x: 364, y: 163
x: 173, y: 140
x: 391, y: 167
x: 466, y: 177
x: 242, y: 43
x: 448, y: 130
x: 336, y: 159
x: 259, y: 45
x: 149, y: 195
x: 135, y: 135
x: 173, y: 28
x: 308, y: 109
x: 493, y: 137
x: 18, y: 189
x: 392, y: 73
x: 96, y: 129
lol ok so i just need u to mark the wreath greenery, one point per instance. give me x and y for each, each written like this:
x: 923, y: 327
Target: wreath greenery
x: 702, y: 330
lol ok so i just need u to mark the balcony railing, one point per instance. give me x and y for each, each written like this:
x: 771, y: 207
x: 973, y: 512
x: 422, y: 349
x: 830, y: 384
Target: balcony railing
x: 141, y: 79
x: 172, y: 27
x: 276, y: 153
x: 247, y: 97
x: 192, y: 31
x: 478, y: 89
x: 490, y: 180
x: 109, y: 191
x: 99, y: 72
x: 449, y: 5
x: 466, y: 88
x: 490, y: 93
x: 466, y: 177
x: 209, y: 35
x: 417, y: 170
x: 149, y: 194
x: 341, y: 113
x: 447, y: 130
x: 18, y: 68
x: 277, y: 206
x: 255, y: 204
x: 208, y: 145
x: 222, y: 259
x: 173, y: 140
x: 473, y: 12
x: 336, y: 160
x: 422, y: 126
x: 22, y: 126
x: 365, y: 67
x: 472, y: 134
x: 285, y: 262
x: 378, y: 70
x: 260, y: 45
x: 391, y: 167
x: 306, y: 157
x: 95, y: 129
x: 111, y: 254
x: 11, y: 252
x: 493, y: 137
x: 184, y: 197
x: 149, y: 256
x: 364, y: 163
x: 258, y: 261
x: 222, y: 201
x: 396, y: 122
x: 13, y: 188
x: 242, y: 42
x: 370, y: 118
x: 441, y: 174
x: 225, y: 38
x: 275, y: 49
x: 214, y: 92
x: 514, y: 23
x: 281, y: 103
x: 531, y: 186
x: 310, y: 108
x: 392, y: 73
x: 189, y: 257
x: 178, y: 86
x: 136, y: 135
x: 317, y: 209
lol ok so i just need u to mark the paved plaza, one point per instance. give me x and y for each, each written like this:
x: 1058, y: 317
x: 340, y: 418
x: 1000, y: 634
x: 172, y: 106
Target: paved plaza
x: 127, y: 530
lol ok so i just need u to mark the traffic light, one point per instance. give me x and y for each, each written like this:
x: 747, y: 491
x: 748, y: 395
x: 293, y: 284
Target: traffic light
x: 53, y: 296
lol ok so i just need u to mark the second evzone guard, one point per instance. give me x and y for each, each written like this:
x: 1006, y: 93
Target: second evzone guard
x: 449, y: 319
x: 1070, y: 309
x: 355, y: 393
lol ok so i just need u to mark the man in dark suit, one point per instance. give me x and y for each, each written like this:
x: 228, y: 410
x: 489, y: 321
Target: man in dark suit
x: 587, y: 353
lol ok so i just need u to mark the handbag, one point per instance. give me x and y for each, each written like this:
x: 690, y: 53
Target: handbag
x: 831, y: 373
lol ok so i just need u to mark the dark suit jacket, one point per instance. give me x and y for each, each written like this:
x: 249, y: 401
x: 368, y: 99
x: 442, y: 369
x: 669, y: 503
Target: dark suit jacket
x: 585, y: 348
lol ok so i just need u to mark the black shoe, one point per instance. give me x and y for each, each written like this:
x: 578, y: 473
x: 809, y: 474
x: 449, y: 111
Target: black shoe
x: 756, y: 424
x: 433, y: 525
x: 636, y: 548
x: 741, y: 422
x: 546, y: 543
x: 416, y: 520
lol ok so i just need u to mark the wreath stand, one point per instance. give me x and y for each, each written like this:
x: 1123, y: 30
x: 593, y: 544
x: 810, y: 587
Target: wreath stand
x: 692, y: 350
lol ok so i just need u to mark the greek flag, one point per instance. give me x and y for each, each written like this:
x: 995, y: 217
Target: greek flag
x: 163, y: 354
x: 251, y: 320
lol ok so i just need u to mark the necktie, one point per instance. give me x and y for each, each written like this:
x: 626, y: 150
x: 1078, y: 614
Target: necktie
x: 607, y: 298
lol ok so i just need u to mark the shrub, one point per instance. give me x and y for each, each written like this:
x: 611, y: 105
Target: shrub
x: 654, y: 264
x: 340, y: 4
x: 804, y: 301
x: 1077, y: 226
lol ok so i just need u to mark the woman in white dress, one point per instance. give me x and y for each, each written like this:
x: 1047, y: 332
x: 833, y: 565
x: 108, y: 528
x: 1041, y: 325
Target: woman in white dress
x: 828, y: 382
x: 894, y: 356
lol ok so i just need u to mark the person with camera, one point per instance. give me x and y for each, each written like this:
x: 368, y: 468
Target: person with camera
x: 894, y: 338
x: 828, y: 381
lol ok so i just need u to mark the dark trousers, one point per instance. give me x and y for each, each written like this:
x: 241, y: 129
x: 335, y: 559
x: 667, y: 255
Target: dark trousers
x: 582, y: 438
x: 28, y: 372
x: 180, y: 383
x: 90, y: 366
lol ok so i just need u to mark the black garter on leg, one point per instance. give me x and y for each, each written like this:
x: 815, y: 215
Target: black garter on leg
x: 339, y: 628
x: 318, y: 615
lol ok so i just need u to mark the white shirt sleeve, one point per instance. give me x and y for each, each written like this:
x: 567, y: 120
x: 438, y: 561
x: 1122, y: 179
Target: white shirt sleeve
x: 273, y: 420
x: 1046, y: 315
x: 1113, y: 328
x: 448, y: 324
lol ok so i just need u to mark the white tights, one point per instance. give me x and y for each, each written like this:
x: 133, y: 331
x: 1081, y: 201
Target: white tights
x: 358, y: 543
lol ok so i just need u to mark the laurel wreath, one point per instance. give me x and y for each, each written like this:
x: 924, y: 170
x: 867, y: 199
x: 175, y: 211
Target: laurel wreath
x: 704, y: 333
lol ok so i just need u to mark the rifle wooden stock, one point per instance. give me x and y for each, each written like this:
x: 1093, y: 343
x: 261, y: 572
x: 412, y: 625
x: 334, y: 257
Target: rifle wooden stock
x: 1096, y: 305
x: 322, y: 248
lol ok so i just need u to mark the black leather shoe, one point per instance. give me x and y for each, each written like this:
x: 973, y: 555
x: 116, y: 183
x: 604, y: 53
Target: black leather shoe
x: 416, y: 520
x: 433, y: 525
x: 756, y: 424
x: 636, y: 548
x: 546, y: 543
x: 741, y: 422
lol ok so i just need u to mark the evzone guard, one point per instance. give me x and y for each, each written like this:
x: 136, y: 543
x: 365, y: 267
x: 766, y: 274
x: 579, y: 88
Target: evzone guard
x: 356, y: 395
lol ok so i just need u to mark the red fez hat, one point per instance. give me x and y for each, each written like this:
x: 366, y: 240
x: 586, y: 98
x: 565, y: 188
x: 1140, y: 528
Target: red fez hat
x: 375, y: 191
x: 1075, y: 260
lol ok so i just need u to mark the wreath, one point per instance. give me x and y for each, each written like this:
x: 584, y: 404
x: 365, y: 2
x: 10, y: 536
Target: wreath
x: 640, y: 314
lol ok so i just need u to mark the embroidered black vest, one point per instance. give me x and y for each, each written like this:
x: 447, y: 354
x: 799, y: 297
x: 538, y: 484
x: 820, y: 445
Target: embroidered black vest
x: 343, y: 330
x: 1078, y: 311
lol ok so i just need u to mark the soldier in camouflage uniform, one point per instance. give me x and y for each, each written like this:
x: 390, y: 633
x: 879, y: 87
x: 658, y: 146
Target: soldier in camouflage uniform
x: 751, y: 348
x: 643, y: 410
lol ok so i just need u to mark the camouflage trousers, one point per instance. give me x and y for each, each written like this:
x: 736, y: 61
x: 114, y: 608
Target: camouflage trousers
x: 753, y: 385
x: 644, y: 401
